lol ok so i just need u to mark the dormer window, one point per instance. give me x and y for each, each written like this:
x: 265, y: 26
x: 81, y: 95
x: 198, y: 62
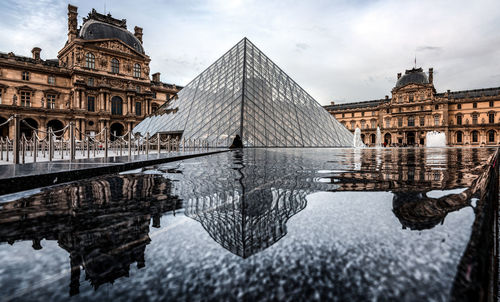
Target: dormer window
x: 90, y: 60
x: 26, y: 76
x: 137, y: 70
x: 115, y: 66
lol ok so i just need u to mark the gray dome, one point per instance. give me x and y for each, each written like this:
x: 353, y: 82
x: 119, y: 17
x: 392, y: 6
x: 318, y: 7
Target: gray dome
x: 413, y: 76
x: 93, y: 29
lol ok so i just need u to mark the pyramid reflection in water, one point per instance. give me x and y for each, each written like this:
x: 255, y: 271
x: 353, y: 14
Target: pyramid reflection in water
x: 245, y: 93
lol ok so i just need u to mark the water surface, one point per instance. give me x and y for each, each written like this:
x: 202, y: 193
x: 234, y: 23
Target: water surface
x: 263, y: 224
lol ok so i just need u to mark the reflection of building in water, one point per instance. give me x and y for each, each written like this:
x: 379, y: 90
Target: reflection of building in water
x: 103, y: 223
x: 411, y: 170
x: 247, y: 223
x: 417, y: 211
x: 244, y: 205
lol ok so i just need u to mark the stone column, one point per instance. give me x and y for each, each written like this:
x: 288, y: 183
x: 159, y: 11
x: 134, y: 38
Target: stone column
x: 126, y: 106
x: 76, y: 98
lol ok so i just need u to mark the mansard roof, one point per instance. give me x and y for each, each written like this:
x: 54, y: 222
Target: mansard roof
x: 11, y: 55
x: 364, y: 104
x: 412, y: 76
x: 474, y: 93
x: 99, y: 26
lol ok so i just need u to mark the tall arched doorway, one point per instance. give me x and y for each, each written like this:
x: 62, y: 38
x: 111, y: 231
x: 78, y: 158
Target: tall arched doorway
x: 27, y: 130
x: 116, y: 129
x: 56, y: 126
x: 4, y: 130
x: 387, y: 139
x: 116, y: 105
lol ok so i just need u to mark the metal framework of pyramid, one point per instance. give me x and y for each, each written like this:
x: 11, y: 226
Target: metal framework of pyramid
x: 245, y: 93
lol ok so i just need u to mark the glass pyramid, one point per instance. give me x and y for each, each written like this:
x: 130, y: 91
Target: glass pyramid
x: 245, y: 93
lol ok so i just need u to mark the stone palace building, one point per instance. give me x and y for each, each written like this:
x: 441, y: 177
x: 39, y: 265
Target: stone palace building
x: 468, y: 118
x: 99, y: 79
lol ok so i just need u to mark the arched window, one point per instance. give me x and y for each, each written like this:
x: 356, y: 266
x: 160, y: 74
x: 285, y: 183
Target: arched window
x: 137, y: 70
x: 459, y: 136
x: 475, y: 136
x: 115, y: 66
x: 116, y: 105
x: 90, y: 60
x: 491, y: 136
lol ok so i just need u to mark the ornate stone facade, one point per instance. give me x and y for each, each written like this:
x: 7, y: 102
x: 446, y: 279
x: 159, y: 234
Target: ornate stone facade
x: 468, y: 118
x: 100, y: 78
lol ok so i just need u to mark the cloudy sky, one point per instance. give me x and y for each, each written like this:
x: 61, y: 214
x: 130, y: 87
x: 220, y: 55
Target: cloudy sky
x: 340, y: 51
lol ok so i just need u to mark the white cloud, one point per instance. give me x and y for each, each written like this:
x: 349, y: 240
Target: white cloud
x: 340, y: 50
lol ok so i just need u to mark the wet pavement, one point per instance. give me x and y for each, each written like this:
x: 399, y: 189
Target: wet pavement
x: 20, y: 177
x: 257, y: 224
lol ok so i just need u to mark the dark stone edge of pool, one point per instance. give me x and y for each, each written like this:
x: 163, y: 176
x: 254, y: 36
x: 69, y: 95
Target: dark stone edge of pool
x: 28, y: 182
x: 477, y: 272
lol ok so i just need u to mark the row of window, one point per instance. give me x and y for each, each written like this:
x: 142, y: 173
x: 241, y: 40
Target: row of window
x: 26, y: 100
x: 474, y: 105
x: 411, y: 97
x: 436, y: 107
x: 362, y: 113
x: 116, y: 103
x: 475, y: 136
x: 115, y: 65
x: 25, y: 75
x: 475, y: 116
x: 117, y: 106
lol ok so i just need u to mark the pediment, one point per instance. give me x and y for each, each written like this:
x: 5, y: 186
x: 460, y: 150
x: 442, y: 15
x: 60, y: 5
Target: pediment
x: 115, y: 45
x: 51, y: 91
x: 24, y: 88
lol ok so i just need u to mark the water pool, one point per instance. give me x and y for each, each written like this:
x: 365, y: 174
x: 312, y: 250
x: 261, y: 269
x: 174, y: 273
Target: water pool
x: 266, y: 224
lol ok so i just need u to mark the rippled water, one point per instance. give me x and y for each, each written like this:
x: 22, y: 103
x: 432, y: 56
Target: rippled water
x: 267, y: 224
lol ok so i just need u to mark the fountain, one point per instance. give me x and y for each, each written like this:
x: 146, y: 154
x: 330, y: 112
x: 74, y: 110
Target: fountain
x: 378, y: 138
x: 435, y: 139
x: 357, y: 142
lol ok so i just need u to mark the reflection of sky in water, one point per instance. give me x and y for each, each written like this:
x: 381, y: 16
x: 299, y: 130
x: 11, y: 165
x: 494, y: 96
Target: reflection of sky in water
x: 266, y: 224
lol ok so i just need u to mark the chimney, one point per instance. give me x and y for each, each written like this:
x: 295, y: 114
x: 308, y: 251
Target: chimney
x: 399, y: 75
x: 156, y: 77
x: 431, y: 75
x: 36, y: 53
x: 138, y: 33
x: 72, y: 22
x: 332, y: 103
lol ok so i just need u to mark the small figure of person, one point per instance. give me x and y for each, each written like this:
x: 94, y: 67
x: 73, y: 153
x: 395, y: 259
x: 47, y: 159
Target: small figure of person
x: 237, y: 143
